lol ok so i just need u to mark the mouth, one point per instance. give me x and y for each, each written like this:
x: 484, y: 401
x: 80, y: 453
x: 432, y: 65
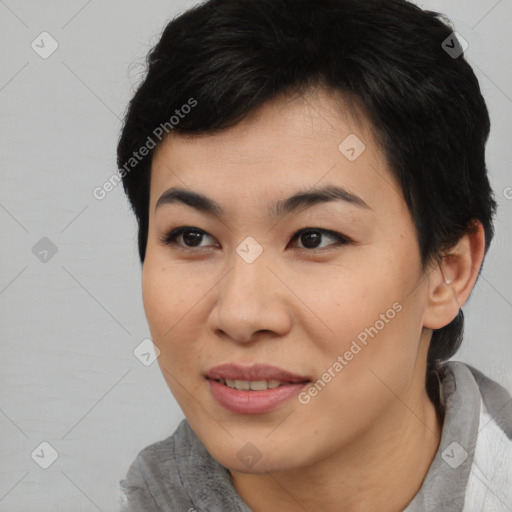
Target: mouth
x: 245, y: 377
x: 256, y: 389
x: 256, y: 385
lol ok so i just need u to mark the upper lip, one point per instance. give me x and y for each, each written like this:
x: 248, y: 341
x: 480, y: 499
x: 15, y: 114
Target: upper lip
x: 233, y: 371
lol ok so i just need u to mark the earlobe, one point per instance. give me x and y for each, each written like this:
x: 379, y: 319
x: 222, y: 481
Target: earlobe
x: 443, y: 302
x: 451, y: 281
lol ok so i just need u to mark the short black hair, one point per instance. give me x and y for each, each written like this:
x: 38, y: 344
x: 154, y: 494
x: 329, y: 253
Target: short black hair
x: 227, y: 57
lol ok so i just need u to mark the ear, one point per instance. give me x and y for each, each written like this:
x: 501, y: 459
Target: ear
x: 451, y: 281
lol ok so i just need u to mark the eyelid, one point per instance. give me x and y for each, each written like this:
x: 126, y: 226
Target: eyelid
x: 170, y: 238
x: 333, y: 234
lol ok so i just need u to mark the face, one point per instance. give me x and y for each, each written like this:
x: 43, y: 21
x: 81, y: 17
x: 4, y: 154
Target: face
x: 329, y: 289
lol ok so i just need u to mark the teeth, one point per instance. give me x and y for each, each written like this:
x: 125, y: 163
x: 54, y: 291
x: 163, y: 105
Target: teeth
x: 242, y: 384
x: 254, y: 385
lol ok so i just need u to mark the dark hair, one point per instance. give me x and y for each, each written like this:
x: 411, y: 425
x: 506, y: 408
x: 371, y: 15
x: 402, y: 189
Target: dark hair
x: 390, y: 56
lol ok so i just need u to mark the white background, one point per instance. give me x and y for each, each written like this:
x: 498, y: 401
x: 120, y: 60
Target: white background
x: 69, y: 326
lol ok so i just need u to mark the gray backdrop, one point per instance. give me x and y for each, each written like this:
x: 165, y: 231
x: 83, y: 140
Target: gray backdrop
x: 76, y: 404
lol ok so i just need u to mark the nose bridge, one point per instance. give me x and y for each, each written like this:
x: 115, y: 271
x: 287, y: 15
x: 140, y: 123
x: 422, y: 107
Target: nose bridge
x: 247, y: 299
x: 245, y: 286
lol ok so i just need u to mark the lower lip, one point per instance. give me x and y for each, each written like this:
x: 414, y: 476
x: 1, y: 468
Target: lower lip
x: 253, y: 402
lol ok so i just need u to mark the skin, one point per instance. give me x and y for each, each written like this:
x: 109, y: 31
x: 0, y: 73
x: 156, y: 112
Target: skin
x: 366, y: 441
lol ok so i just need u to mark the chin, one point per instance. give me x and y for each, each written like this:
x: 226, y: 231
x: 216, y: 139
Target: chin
x: 252, y: 458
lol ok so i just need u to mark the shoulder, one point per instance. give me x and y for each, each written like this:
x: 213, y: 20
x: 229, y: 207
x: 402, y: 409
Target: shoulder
x: 489, y: 486
x: 472, y: 469
x: 178, y: 473
x: 497, y: 400
x: 153, y: 481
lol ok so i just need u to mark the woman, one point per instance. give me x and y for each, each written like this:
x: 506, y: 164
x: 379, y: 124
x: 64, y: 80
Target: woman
x: 313, y: 205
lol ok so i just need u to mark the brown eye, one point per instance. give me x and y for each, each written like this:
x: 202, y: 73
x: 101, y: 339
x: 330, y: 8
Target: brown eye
x: 311, y: 238
x: 190, y: 236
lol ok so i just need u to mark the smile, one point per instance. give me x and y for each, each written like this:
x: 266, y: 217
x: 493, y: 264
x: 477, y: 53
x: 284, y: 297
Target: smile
x: 253, y: 397
x: 253, y: 385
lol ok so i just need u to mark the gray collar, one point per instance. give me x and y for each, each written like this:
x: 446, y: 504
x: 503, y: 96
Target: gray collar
x: 444, y: 486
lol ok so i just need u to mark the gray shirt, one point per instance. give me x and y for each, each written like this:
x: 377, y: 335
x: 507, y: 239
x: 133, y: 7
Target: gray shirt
x: 471, y: 471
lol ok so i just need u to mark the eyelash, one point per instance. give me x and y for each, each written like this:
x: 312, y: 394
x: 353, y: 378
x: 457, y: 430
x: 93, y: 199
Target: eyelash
x: 170, y: 238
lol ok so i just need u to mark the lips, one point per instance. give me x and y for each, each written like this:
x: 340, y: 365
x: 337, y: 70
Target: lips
x: 256, y: 389
x: 256, y: 372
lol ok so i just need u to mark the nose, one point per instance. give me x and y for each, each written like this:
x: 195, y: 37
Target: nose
x: 251, y: 303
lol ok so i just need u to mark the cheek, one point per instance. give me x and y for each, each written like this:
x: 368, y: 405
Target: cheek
x: 361, y: 379
x: 372, y: 321
x: 383, y: 353
x: 348, y: 301
x: 165, y: 303
x: 166, y: 300
x: 172, y: 303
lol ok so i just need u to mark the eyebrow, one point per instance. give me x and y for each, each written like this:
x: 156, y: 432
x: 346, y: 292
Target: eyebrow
x: 299, y: 201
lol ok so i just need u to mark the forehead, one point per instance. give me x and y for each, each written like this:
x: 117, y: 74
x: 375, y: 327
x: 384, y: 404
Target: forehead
x: 288, y: 144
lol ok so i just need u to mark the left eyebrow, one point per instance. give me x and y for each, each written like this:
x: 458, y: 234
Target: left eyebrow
x: 311, y: 197
x: 280, y: 208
